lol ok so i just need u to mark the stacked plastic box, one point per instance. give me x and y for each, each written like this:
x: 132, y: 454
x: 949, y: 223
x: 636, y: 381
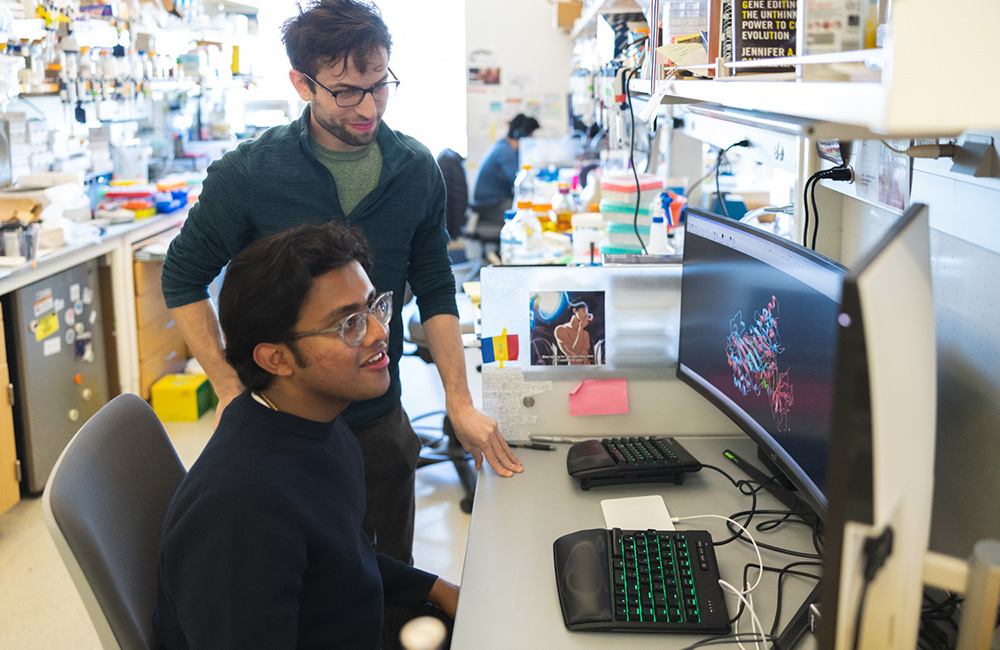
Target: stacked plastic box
x: 618, y: 201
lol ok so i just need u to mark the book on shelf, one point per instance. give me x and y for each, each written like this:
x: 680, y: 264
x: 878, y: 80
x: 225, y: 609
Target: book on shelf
x: 762, y: 29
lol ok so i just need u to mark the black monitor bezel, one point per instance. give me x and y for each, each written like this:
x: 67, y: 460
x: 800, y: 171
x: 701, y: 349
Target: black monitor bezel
x: 806, y: 488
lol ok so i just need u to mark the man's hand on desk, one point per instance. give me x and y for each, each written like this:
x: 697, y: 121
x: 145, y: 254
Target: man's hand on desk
x: 480, y: 436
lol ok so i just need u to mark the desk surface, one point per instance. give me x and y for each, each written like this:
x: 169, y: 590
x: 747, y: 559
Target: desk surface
x: 67, y: 256
x: 508, y: 596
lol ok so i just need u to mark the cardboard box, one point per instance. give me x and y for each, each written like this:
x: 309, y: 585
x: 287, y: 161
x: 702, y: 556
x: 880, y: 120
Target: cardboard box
x: 25, y: 210
x: 565, y: 13
x: 182, y: 398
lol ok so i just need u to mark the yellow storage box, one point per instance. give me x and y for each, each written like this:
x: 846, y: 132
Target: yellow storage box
x: 182, y: 398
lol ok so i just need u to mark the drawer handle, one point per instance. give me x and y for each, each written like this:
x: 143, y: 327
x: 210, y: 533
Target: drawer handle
x: 169, y: 325
x: 171, y: 355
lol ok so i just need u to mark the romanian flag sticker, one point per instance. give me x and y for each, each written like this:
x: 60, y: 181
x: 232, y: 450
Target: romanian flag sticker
x: 499, y: 348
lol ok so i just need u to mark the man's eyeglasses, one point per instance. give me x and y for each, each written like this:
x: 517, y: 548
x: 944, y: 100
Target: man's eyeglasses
x: 353, y: 96
x: 353, y: 328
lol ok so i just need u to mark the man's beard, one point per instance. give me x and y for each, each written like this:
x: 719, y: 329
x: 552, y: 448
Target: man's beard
x: 343, y: 134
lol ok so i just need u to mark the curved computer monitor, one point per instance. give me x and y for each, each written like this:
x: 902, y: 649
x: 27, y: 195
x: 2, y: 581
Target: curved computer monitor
x: 758, y: 338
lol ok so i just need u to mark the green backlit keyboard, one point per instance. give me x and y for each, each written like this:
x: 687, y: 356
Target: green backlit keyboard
x: 642, y: 581
x: 632, y: 459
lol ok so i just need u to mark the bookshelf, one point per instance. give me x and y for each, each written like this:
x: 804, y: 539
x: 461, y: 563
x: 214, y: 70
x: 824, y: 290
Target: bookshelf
x: 927, y: 87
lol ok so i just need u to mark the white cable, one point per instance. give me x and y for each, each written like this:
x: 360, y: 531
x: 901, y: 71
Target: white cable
x: 760, y: 561
x: 755, y: 625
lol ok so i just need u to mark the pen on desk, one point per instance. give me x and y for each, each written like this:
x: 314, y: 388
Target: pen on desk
x: 531, y: 445
x: 553, y: 439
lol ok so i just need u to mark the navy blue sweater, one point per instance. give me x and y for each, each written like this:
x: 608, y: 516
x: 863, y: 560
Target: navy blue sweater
x: 276, y: 182
x: 262, y: 544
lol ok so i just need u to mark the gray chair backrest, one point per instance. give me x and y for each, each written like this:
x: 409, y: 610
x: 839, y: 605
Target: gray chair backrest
x: 104, y: 504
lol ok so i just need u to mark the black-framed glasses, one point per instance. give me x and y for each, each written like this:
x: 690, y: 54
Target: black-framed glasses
x: 352, y: 329
x: 351, y: 97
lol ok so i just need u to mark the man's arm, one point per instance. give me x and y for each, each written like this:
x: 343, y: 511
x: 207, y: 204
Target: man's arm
x: 478, y: 432
x: 199, y: 325
x: 444, y: 596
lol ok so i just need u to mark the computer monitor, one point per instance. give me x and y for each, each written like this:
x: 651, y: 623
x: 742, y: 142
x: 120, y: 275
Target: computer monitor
x: 834, y: 375
x: 758, y: 338
x: 884, y: 425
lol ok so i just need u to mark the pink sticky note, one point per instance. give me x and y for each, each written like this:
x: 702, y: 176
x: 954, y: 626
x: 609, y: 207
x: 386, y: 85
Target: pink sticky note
x: 599, y: 397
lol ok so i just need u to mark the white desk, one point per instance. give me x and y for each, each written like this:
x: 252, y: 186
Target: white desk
x: 508, y: 596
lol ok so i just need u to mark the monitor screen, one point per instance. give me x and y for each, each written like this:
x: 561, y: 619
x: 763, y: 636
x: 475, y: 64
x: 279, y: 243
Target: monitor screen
x: 758, y: 338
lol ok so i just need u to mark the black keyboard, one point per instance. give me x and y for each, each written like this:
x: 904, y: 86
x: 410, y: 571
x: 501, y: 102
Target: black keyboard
x: 640, y: 581
x: 634, y: 459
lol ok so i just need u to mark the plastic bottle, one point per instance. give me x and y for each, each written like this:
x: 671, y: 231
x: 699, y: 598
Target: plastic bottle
x: 542, y: 209
x: 521, y: 237
x: 562, y: 210
x: 658, y: 226
x: 525, y: 185
x: 588, y: 231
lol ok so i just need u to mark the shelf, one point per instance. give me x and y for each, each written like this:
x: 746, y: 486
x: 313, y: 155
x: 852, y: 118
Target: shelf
x: 920, y: 92
x: 587, y: 22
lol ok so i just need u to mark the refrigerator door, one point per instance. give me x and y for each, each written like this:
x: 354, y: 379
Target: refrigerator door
x: 58, y: 356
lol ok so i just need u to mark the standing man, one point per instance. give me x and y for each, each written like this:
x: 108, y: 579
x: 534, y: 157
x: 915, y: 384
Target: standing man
x: 338, y: 161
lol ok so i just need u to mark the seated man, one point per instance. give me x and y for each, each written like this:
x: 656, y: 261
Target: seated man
x: 262, y: 545
x: 493, y: 192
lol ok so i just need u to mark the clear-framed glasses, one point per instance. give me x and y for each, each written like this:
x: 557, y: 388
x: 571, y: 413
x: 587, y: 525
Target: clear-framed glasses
x: 352, y: 329
x: 351, y: 97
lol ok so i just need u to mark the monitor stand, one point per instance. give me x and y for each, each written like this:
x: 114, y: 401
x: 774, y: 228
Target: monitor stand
x: 776, y: 484
x: 798, y: 625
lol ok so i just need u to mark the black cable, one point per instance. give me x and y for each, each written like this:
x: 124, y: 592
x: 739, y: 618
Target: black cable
x: 721, y: 471
x: 770, y: 547
x: 815, y: 210
x: 805, y: 207
x: 876, y: 551
x: 766, y: 526
x: 698, y: 182
x: 787, y: 570
x: 715, y: 168
x: 839, y: 173
x: 718, y: 192
x: 818, y: 538
x: 738, y: 534
x: 736, y: 638
x: 858, y: 616
x: 631, y: 160
x: 781, y: 573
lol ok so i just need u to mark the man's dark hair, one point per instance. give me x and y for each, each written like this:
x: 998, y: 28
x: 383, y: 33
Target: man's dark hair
x: 522, y: 126
x: 327, y: 32
x: 266, y: 283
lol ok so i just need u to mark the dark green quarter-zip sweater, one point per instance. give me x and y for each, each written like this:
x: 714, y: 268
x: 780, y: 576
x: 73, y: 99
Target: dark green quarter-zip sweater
x: 276, y: 182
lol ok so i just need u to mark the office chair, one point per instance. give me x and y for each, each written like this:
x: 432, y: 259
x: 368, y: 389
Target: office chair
x: 104, y: 505
x: 444, y: 448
